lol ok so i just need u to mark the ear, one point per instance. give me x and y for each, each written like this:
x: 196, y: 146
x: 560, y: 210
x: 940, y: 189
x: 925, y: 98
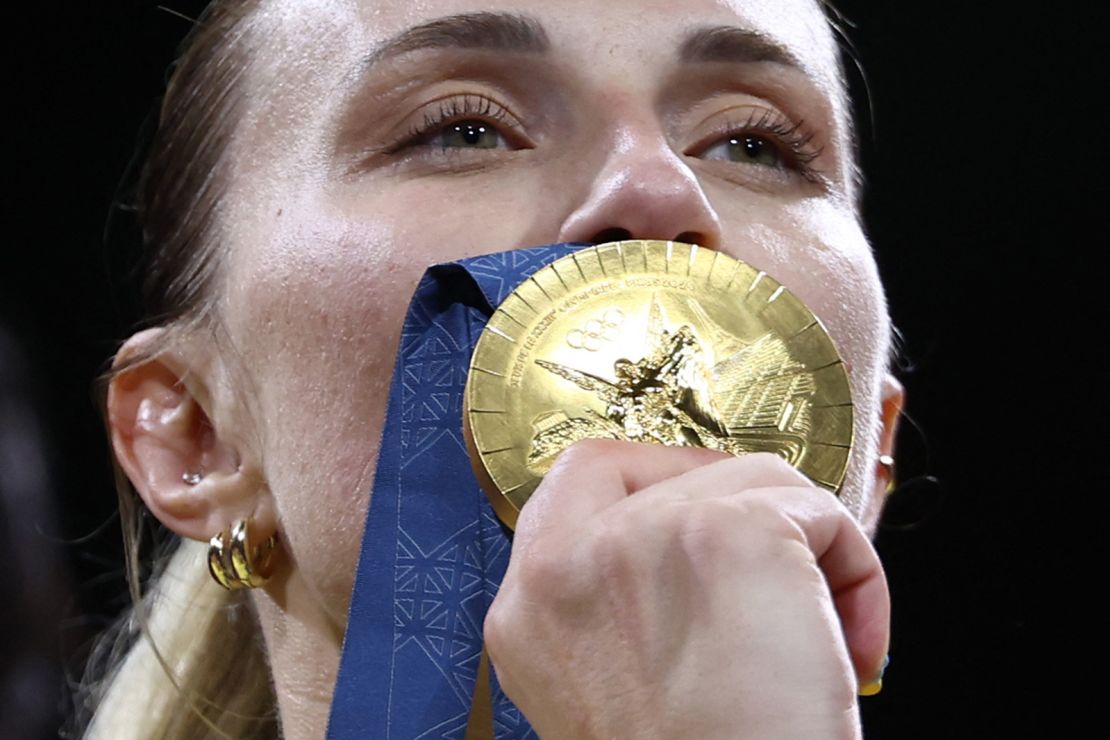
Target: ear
x: 162, y: 433
x: 893, y: 401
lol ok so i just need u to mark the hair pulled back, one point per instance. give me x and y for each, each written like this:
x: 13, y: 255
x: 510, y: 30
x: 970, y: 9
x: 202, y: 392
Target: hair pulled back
x: 187, y: 661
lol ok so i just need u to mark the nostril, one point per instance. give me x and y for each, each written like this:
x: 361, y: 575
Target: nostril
x: 691, y: 237
x: 617, y: 234
x: 611, y: 235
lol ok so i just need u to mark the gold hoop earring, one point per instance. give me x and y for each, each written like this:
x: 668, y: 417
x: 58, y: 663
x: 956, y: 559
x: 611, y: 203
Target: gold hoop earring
x: 232, y: 561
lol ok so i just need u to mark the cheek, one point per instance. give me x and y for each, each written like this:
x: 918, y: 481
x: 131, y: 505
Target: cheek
x: 837, y: 276
x: 315, y: 300
x: 848, y: 296
x: 818, y: 251
x: 438, y: 219
x: 314, y: 314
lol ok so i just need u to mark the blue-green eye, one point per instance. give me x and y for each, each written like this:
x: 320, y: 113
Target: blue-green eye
x: 746, y: 148
x: 464, y: 123
x: 765, y: 138
x: 467, y: 135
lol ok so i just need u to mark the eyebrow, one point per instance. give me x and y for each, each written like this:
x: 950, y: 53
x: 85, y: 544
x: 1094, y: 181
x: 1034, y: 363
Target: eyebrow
x: 523, y: 33
x: 735, y: 45
x: 491, y: 31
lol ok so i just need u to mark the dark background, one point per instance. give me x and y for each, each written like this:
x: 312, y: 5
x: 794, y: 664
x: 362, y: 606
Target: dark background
x: 981, y: 149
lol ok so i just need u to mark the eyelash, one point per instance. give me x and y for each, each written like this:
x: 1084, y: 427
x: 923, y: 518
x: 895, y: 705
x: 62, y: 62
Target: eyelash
x: 793, y: 140
x: 455, y: 110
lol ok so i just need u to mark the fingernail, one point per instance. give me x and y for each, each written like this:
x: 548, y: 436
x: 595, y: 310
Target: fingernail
x: 873, y: 687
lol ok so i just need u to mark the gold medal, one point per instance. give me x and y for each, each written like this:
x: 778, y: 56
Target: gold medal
x: 652, y: 341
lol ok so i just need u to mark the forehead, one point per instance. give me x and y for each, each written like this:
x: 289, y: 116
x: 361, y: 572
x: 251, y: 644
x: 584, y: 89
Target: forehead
x: 307, y: 31
x: 309, y: 54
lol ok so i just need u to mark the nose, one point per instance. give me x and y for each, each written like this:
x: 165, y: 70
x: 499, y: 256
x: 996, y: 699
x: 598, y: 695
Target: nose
x: 643, y: 190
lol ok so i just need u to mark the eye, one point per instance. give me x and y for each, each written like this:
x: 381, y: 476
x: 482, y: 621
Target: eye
x: 460, y: 124
x: 467, y: 135
x: 745, y: 148
x: 765, y: 138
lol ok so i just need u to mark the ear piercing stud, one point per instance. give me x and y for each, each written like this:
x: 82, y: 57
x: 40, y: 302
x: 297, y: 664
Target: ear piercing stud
x: 886, y: 462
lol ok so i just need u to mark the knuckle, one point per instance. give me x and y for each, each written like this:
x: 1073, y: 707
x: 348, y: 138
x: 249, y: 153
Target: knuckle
x: 564, y: 577
x: 710, y: 519
x: 543, y: 569
x: 706, y: 532
x: 548, y: 571
x: 497, y: 628
x: 613, y: 546
x: 736, y: 529
x: 761, y: 512
x: 771, y: 530
x: 772, y: 467
x: 576, y: 460
x: 585, y: 453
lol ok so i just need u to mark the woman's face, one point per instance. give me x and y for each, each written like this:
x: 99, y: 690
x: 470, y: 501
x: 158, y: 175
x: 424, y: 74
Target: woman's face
x: 383, y: 137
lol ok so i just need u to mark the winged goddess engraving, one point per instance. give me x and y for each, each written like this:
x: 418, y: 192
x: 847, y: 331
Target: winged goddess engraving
x: 755, y: 399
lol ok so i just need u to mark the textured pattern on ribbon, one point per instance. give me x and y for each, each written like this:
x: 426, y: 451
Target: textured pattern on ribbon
x: 434, y: 552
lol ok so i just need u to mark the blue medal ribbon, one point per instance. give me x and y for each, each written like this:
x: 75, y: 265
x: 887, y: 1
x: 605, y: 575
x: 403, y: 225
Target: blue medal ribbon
x: 434, y: 552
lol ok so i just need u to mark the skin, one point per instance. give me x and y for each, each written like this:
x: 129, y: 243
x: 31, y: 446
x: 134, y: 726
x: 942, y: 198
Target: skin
x: 333, y: 214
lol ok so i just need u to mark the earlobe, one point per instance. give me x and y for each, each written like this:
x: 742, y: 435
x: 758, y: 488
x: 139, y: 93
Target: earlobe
x: 893, y: 401
x: 189, y: 478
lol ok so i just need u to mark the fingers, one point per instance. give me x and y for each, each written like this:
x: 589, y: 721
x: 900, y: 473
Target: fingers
x: 859, y: 590
x: 852, y: 571
x: 727, y: 475
x: 593, y: 475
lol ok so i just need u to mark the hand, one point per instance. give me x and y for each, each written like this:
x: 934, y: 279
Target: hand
x: 677, y: 592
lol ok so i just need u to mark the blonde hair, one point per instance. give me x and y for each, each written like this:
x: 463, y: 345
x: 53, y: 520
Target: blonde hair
x: 187, y: 660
